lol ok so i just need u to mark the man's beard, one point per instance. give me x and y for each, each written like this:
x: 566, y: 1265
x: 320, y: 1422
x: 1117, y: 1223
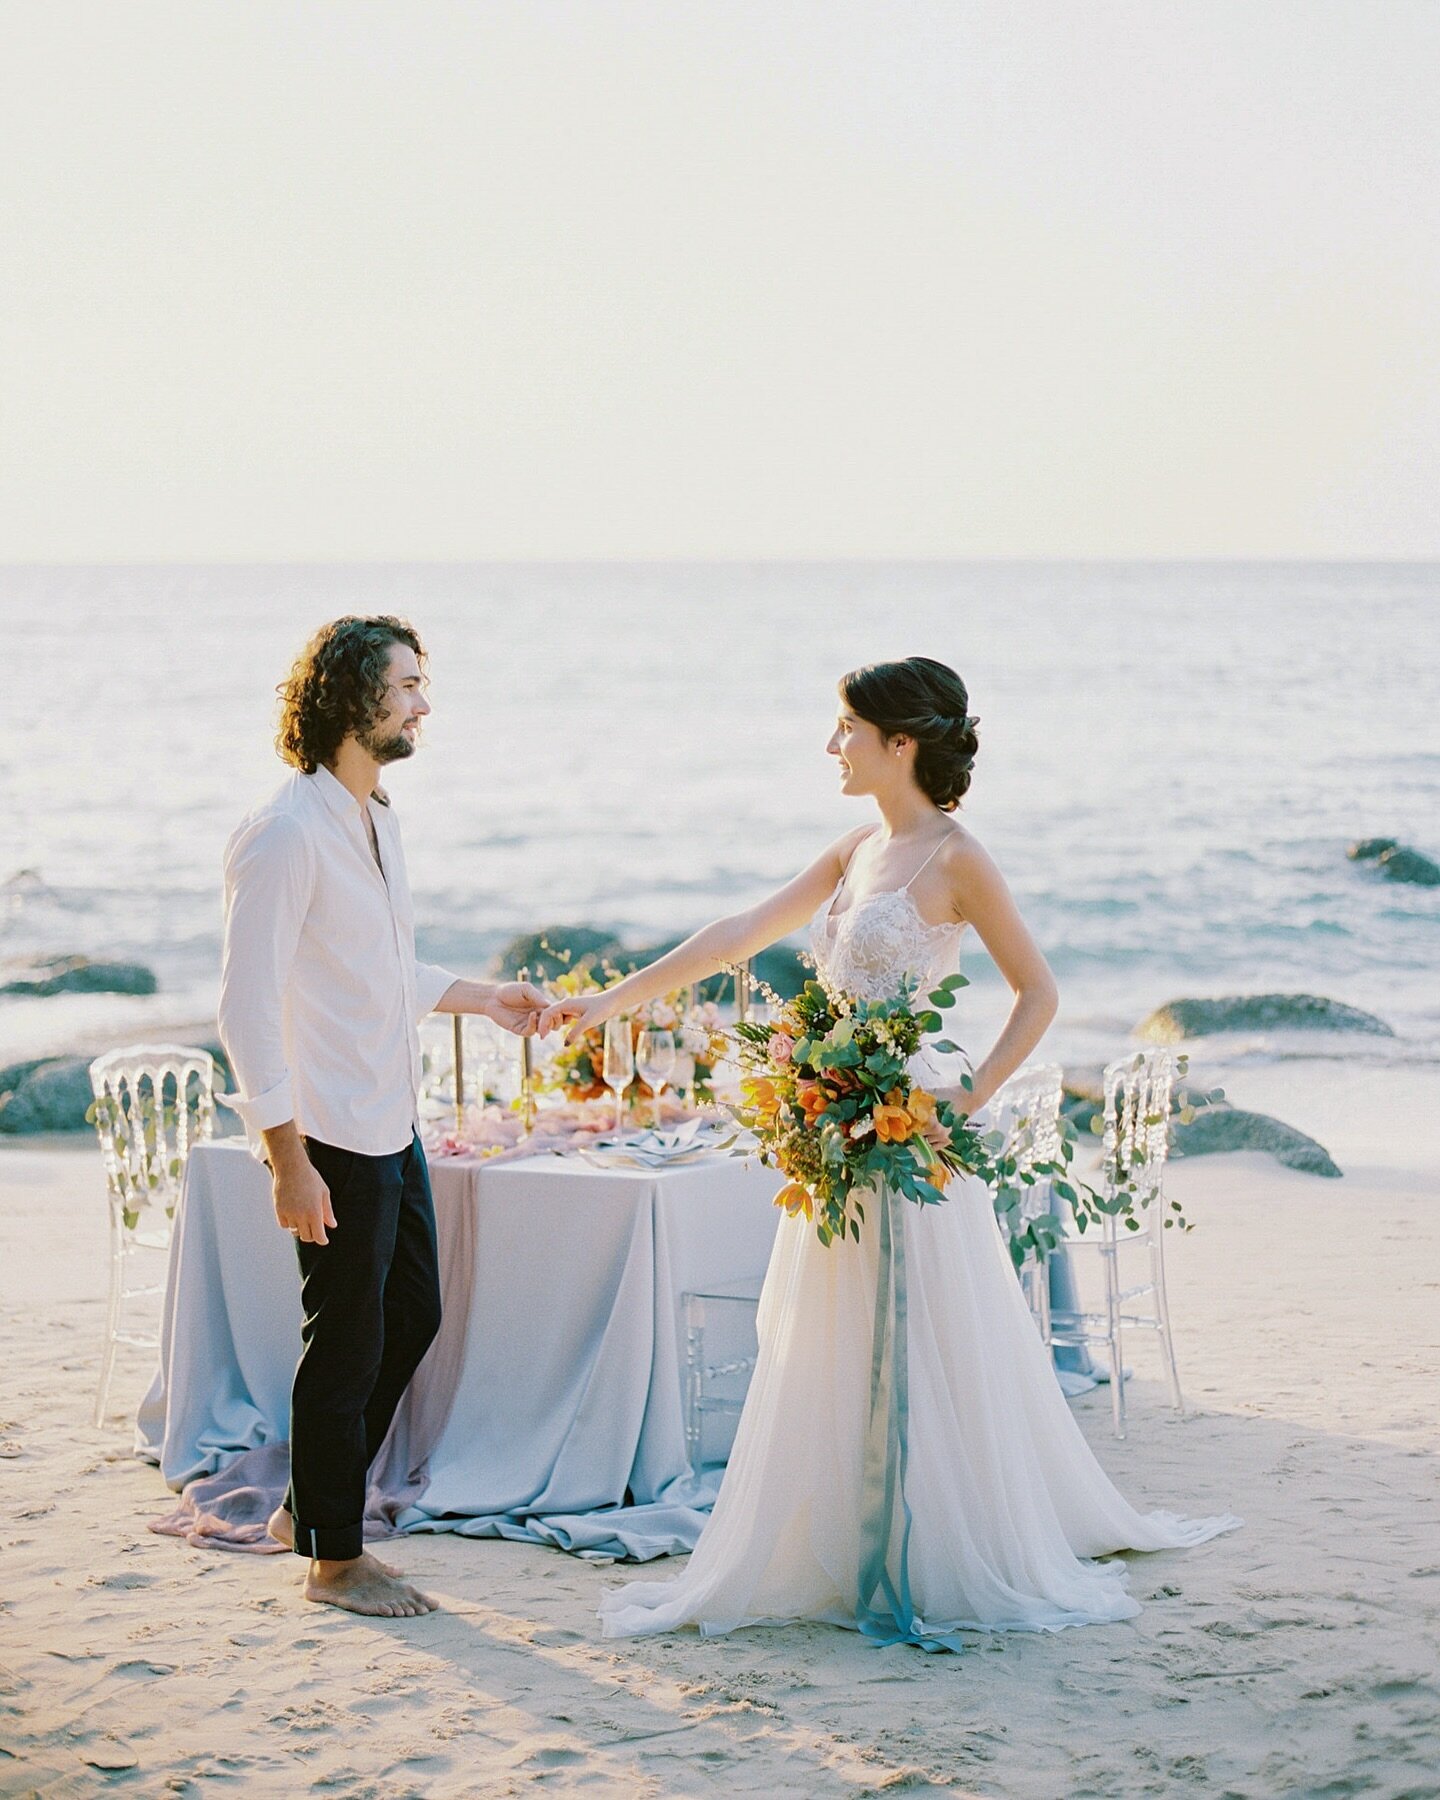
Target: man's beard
x: 387, y: 749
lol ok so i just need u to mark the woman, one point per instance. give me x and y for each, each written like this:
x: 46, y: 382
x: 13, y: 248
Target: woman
x: 983, y: 1504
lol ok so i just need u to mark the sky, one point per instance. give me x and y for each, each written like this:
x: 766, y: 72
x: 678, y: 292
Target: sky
x: 739, y: 279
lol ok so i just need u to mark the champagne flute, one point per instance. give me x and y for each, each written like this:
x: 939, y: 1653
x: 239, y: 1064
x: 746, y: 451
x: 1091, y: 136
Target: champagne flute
x: 655, y: 1059
x: 618, y: 1069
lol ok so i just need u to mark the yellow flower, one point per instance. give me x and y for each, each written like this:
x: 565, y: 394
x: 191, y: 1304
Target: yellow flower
x: 796, y: 1199
x: 761, y: 1095
x: 921, y: 1107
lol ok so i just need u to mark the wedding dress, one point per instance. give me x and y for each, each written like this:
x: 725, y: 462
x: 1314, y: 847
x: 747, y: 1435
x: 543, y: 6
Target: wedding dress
x: 906, y: 1463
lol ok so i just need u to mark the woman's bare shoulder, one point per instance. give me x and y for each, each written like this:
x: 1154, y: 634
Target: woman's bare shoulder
x: 968, y: 867
x: 845, y: 846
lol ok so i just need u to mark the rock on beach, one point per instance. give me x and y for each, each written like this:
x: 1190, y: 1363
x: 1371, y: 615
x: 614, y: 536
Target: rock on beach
x: 1222, y: 1128
x: 1190, y: 1018
x: 78, y: 975
x: 1213, y: 1128
x: 52, y: 1093
x: 559, y: 947
x: 551, y: 952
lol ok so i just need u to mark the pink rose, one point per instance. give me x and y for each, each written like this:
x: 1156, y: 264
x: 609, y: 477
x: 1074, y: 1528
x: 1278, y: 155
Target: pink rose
x: 781, y: 1048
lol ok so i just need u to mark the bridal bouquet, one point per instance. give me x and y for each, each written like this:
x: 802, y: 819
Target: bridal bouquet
x: 826, y: 1090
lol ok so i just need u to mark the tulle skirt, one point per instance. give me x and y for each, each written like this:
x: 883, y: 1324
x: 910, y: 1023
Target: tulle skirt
x: 1007, y: 1506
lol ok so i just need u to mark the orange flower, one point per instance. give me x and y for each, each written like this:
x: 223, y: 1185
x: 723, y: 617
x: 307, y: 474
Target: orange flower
x: 796, y: 1199
x: 921, y: 1107
x: 893, y: 1125
x: 814, y: 1099
x: 939, y: 1174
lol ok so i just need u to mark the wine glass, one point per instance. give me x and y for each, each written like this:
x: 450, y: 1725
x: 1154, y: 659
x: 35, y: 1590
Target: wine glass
x: 437, y: 1066
x: 655, y: 1060
x: 618, y: 1068
x: 482, y: 1052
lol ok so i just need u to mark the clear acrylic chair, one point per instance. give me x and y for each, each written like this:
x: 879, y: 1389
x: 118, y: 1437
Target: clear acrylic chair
x: 1026, y: 1112
x: 152, y: 1102
x: 1136, y: 1145
x: 721, y: 1345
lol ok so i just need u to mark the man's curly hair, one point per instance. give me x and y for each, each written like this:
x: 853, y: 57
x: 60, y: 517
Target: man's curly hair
x: 338, y: 686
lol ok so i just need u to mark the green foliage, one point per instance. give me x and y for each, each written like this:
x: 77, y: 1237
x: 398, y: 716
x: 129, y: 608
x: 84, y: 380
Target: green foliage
x: 141, y: 1163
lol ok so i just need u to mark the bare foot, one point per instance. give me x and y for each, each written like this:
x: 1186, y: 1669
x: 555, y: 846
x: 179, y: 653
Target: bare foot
x: 363, y: 1586
x: 281, y: 1527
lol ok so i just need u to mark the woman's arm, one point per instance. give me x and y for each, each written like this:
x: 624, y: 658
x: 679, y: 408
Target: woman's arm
x: 979, y: 893
x: 728, y: 940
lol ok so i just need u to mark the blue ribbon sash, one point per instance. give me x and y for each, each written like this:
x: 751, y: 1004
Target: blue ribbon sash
x: 885, y: 1610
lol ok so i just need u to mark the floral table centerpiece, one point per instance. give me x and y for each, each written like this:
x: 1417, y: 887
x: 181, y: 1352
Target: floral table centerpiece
x: 577, y: 1071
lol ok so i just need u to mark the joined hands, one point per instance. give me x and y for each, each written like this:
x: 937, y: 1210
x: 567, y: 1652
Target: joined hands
x: 519, y: 1006
x: 579, y: 1013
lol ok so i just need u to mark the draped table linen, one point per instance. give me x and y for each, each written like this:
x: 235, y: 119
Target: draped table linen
x: 549, y: 1408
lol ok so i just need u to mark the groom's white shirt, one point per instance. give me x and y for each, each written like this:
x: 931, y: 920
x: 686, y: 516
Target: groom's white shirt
x: 320, y: 992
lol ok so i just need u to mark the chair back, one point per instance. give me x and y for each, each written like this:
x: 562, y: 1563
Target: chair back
x: 152, y: 1102
x: 1138, y: 1090
x: 1026, y: 1112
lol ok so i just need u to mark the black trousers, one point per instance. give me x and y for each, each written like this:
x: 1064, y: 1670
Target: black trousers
x: 371, y: 1300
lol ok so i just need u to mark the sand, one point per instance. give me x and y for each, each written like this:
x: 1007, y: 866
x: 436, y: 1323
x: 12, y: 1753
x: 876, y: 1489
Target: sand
x: 1296, y: 1657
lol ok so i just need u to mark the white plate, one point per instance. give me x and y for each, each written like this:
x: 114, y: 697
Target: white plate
x: 660, y: 1149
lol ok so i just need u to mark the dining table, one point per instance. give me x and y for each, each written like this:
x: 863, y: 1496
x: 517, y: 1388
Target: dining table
x: 550, y: 1406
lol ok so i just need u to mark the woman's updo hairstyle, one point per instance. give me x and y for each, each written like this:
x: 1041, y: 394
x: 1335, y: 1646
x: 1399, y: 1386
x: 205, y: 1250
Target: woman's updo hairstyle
x: 927, y: 702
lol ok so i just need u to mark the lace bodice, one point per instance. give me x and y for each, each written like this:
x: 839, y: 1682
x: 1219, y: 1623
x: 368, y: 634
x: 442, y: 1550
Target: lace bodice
x: 877, y: 944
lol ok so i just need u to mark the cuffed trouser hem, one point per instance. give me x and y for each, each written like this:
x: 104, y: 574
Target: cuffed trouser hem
x: 330, y: 1543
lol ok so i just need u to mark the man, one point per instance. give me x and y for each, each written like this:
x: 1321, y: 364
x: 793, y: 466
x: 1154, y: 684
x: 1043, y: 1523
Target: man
x: 320, y: 998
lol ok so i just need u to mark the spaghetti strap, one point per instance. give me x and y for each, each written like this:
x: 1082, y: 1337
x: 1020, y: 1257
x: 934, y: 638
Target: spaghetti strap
x: 850, y: 860
x: 927, y: 862
x: 839, y: 886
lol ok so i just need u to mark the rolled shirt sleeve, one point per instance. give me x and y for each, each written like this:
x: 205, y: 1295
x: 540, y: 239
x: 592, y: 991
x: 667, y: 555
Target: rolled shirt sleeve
x: 431, y: 985
x: 269, y: 876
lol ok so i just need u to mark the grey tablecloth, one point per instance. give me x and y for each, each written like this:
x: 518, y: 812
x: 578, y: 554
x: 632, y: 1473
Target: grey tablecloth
x: 550, y: 1406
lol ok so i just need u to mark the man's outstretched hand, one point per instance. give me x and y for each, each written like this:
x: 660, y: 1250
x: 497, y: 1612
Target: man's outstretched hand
x: 518, y: 1006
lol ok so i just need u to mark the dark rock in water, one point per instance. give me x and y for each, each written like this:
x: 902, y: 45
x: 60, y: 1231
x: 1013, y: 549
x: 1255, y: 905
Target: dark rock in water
x: 551, y: 952
x: 780, y: 966
x: 1082, y: 1097
x: 714, y: 987
x: 544, y: 954
x: 50, y: 1096
x: 1371, y: 849
x: 11, y: 1077
x: 1226, y: 1128
x: 78, y: 975
x: 1403, y: 864
x: 52, y: 1093
x: 1396, y: 861
x: 224, y: 1074
x: 1180, y: 1019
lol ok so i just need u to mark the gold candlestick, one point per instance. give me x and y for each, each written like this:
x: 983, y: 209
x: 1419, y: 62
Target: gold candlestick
x: 527, y: 1076
x: 527, y: 1084
x: 459, y: 1072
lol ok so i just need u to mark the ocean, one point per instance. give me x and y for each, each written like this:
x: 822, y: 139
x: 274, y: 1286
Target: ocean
x: 1173, y: 759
